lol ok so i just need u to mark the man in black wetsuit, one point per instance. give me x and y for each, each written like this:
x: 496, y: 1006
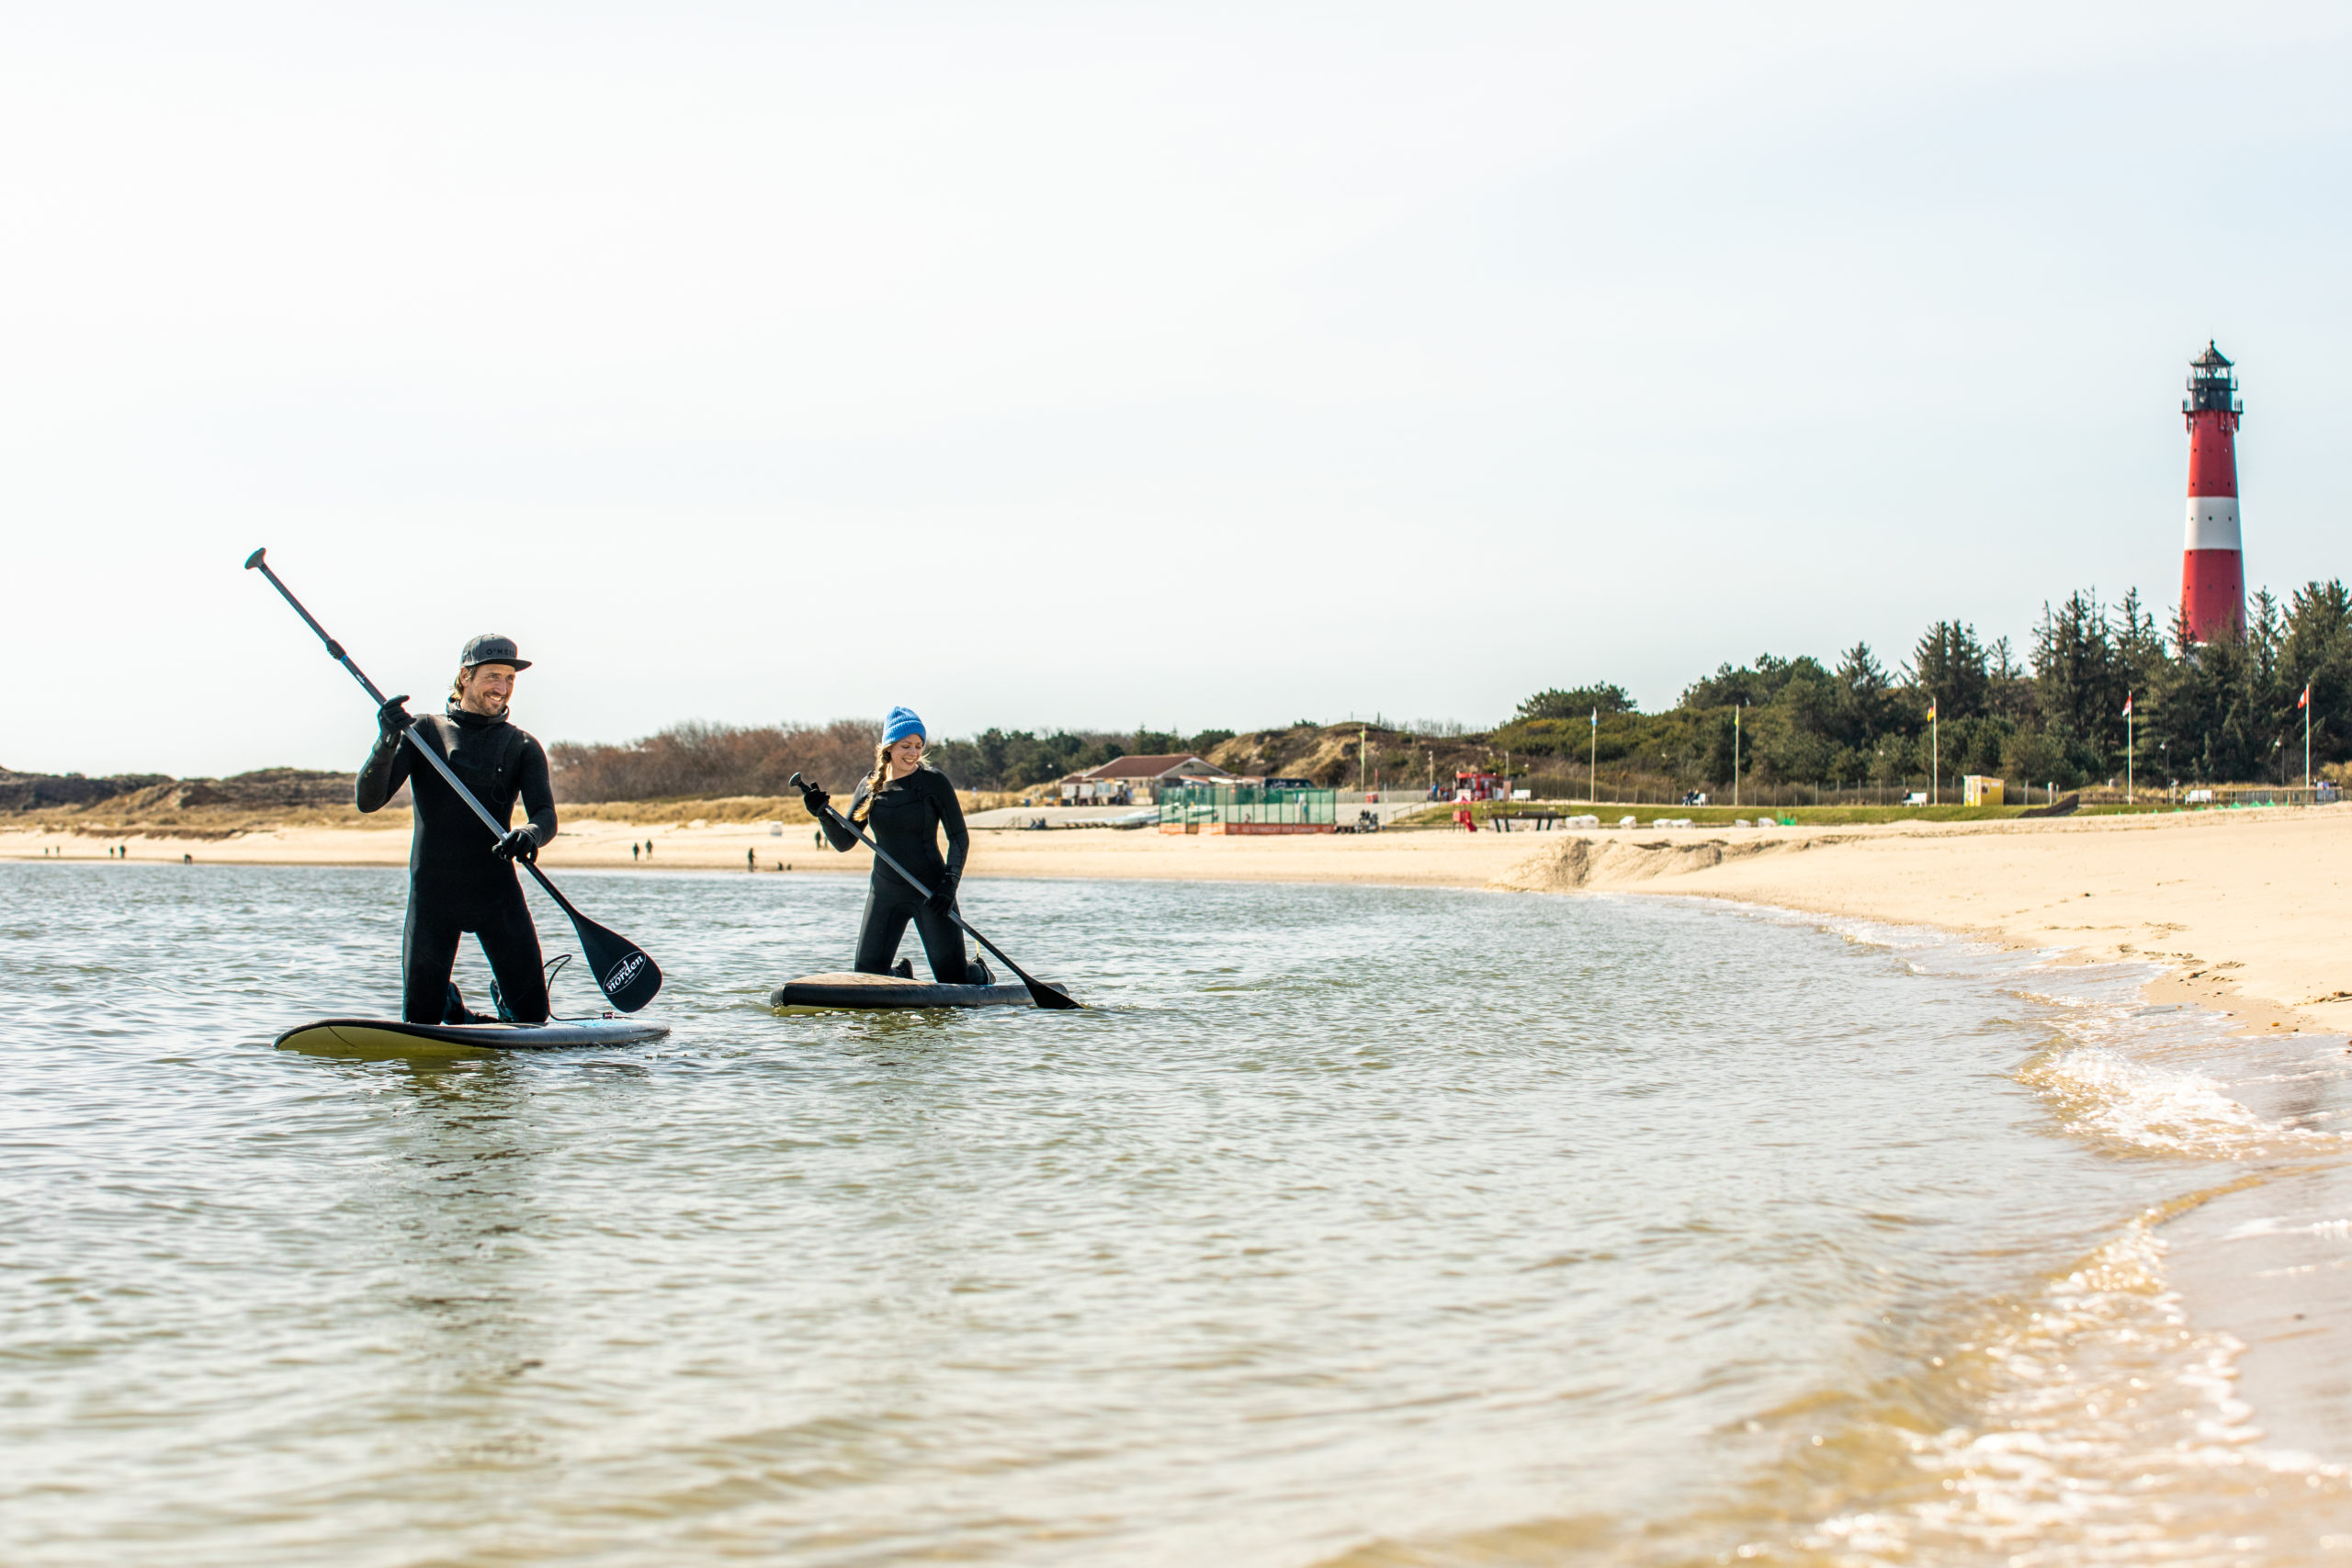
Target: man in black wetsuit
x: 460, y: 875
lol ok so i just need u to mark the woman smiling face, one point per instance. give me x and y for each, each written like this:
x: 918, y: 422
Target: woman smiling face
x: 904, y: 754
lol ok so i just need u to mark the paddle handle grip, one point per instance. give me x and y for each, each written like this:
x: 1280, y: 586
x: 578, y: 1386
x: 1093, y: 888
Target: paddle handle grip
x: 253, y: 562
x: 414, y: 732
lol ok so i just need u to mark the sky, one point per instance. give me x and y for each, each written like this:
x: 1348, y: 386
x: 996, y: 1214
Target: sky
x: 1114, y: 366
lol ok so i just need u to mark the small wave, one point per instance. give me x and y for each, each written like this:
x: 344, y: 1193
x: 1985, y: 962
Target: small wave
x: 2085, y: 1421
x: 2100, y: 1092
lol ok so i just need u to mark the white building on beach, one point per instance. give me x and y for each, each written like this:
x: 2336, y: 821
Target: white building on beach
x: 1136, y: 781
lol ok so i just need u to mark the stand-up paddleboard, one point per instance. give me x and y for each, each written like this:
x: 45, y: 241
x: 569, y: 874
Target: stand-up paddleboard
x: 814, y: 991
x: 389, y: 1037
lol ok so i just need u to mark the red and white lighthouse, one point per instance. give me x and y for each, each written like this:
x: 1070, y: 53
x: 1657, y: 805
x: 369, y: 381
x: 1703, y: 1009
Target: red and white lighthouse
x: 2213, y: 574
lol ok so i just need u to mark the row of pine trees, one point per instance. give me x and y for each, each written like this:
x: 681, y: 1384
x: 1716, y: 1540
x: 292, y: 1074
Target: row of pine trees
x: 2220, y: 712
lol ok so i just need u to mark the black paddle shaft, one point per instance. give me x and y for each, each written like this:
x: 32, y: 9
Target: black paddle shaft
x: 624, y: 973
x: 1044, y: 996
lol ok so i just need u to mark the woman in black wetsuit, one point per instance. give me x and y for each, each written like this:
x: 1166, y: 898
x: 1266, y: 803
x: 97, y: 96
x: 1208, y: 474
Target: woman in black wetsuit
x: 905, y: 803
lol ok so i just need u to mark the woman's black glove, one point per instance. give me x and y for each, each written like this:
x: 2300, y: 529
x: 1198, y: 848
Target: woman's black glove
x: 814, y: 800
x: 943, y: 898
x: 393, y: 716
x: 520, y: 843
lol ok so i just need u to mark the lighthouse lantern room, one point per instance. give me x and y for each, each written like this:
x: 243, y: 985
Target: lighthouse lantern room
x: 2213, y: 576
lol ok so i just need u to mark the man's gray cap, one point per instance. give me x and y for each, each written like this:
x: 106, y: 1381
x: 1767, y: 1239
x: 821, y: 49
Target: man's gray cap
x: 491, y: 649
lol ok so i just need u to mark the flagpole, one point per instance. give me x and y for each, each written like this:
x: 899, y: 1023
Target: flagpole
x: 1592, y: 776
x: 2127, y: 750
x: 2307, y: 734
x: 1936, y: 763
x: 1735, y: 754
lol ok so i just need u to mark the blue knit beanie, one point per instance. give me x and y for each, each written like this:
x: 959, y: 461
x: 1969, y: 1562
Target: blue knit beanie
x: 901, y: 723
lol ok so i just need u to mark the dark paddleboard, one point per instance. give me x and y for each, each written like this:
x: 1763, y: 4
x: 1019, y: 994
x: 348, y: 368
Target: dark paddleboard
x: 388, y: 1037
x: 811, y: 991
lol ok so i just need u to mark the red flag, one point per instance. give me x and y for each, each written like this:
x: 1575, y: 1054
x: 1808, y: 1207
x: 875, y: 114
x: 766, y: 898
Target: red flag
x: 2127, y: 704
x: 2306, y: 700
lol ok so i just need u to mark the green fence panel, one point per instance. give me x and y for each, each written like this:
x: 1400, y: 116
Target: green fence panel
x: 1199, y: 804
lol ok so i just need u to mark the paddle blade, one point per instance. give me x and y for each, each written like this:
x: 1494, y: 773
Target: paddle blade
x: 1044, y: 996
x: 626, y: 976
x: 1040, y: 993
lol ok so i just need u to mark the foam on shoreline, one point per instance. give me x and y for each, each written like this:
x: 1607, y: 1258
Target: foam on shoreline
x: 2186, y: 1386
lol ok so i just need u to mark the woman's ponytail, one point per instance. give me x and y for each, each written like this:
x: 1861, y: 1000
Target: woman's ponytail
x: 873, y: 783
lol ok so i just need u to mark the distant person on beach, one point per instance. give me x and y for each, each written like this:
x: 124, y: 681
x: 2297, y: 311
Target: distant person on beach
x: 632, y: 849
x: 906, y: 804
x: 751, y: 860
x: 460, y: 875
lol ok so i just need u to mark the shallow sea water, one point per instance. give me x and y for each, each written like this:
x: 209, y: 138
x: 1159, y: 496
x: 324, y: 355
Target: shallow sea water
x: 1348, y: 1225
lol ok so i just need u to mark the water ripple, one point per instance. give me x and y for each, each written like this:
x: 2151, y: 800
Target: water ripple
x: 1342, y: 1216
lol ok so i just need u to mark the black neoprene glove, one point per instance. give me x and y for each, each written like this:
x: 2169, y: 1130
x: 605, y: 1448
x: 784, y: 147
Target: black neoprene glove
x: 814, y: 800
x: 393, y: 716
x: 520, y: 843
x: 943, y: 898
